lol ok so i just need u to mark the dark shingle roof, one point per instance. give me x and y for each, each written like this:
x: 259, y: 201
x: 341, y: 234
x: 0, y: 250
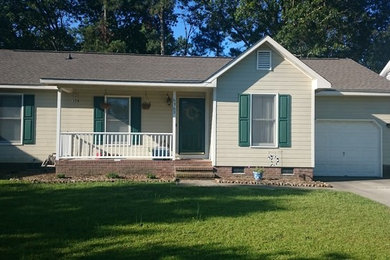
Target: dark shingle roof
x: 28, y: 67
x: 348, y: 75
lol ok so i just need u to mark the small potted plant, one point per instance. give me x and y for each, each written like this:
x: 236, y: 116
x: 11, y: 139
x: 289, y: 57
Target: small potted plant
x: 258, y: 173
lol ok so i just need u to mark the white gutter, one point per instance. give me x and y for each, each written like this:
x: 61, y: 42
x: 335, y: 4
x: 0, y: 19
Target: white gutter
x: 28, y: 87
x: 125, y: 84
x: 337, y: 93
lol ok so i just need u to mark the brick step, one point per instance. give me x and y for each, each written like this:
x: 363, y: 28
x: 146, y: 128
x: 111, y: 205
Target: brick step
x: 188, y: 168
x: 193, y: 163
x: 195, y: 175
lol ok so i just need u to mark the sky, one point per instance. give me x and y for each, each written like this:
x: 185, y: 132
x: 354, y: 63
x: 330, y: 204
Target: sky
x: 179, y: 30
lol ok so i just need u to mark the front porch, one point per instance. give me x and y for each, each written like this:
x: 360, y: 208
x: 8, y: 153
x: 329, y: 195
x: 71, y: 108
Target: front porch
x: 101, y: 130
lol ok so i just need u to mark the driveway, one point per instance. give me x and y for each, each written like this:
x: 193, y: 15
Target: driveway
x: 377, y: 189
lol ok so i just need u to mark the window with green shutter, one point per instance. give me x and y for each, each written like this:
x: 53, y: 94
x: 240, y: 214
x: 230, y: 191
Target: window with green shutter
x: 258, y: 118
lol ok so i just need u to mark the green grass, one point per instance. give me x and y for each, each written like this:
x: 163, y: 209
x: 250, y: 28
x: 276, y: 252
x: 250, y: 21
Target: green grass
x: 166, y: 221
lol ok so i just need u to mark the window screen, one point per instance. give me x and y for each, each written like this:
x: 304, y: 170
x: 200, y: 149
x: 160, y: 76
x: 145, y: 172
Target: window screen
x: 263, y: 120
x: 10, y: 118
x: 118, y: 115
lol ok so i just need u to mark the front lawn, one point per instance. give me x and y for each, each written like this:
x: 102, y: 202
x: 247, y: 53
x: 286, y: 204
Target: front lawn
x: 166, y: 221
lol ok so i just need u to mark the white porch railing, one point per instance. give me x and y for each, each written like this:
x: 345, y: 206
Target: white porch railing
x: 93, y: 145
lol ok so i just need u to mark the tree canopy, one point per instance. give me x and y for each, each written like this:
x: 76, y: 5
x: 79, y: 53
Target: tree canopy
x: 358, y: 29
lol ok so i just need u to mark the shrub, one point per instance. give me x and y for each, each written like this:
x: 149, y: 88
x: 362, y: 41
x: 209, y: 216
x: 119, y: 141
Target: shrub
x: 112, y: 175
x: 151, y: 176
x: 61, y: 176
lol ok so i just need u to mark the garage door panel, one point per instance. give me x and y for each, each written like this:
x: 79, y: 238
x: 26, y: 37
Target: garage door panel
x: 349, y: 148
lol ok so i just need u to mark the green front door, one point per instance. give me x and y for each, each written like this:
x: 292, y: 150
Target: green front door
x: 191, y: 125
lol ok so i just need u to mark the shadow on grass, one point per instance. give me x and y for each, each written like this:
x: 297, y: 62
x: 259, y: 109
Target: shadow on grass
x: 43, y: 221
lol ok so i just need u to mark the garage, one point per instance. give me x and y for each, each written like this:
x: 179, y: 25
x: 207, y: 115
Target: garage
x: 348, y: 148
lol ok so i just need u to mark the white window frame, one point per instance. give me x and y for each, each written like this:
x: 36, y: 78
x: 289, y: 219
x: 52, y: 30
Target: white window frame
x: 276, y: 129
x: 105, y: 112
x: 270, y: 60
x: 21, y: 119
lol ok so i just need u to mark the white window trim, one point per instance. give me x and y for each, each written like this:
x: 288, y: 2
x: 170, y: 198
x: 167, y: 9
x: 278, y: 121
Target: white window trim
x: 276, y: 130
x: 270, y: 59
x: 21, y: 119
x: 105, y: 111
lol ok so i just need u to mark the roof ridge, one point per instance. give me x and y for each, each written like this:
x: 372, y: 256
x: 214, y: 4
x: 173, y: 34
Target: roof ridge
x: 115, y: 54
x: 323, y: 58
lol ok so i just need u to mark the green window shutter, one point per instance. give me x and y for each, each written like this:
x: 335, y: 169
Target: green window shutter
x: 28, y: 119
x: 244, y: 120
x: 136, y: 117
x: 98, y: 114
x: 284, y: 121
x: 98, y: 119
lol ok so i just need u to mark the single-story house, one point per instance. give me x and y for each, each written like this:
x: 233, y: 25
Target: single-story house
x: 144, y: 114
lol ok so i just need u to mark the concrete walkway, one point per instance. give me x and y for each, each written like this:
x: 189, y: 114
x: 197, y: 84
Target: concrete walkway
x: 377, y: 190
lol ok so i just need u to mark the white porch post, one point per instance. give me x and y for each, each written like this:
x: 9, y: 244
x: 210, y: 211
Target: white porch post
x: 58, y: 132
x: 174, y: 125
x: 213, y: 141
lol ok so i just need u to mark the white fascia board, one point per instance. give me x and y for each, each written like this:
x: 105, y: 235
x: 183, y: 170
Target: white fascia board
x: 22, y: 87
x: 125, y: 84
x: 339, y: 93
x: 385, y: 70
x: 321, y: 82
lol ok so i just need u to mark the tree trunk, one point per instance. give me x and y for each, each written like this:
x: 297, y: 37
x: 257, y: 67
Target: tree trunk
x: 162, y: 30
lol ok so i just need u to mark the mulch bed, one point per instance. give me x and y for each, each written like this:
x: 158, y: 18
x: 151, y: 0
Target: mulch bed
x: 53, y: 178
x: 281, y: 182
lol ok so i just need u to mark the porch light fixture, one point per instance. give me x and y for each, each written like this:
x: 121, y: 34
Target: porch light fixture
x: 169, y: 101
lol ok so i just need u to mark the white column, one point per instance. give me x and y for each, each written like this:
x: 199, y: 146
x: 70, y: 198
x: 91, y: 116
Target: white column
x: 58, y: 132
x: 174, y: 124
x: 207, y: 124
x: 213, y: 141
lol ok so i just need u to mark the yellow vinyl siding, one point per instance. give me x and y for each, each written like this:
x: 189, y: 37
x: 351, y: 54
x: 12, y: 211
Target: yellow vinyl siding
x: 45, y: 134
x: 377, y: 108
x: 78, y: 116
x: 284, y: 78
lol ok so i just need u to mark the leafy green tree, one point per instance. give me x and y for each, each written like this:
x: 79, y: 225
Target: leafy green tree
x: 37, y: 24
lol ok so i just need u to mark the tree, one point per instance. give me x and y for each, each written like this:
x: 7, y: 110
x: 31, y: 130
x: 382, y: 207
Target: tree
x: 37, y: 24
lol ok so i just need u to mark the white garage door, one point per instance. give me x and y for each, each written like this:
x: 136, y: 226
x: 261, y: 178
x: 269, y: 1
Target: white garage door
x: 347, y: 148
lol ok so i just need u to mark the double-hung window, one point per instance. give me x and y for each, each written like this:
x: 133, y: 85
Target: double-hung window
x: 118, y: 115
x: 263, y: 120
x: 118, y: 119
x: 10, y: 118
